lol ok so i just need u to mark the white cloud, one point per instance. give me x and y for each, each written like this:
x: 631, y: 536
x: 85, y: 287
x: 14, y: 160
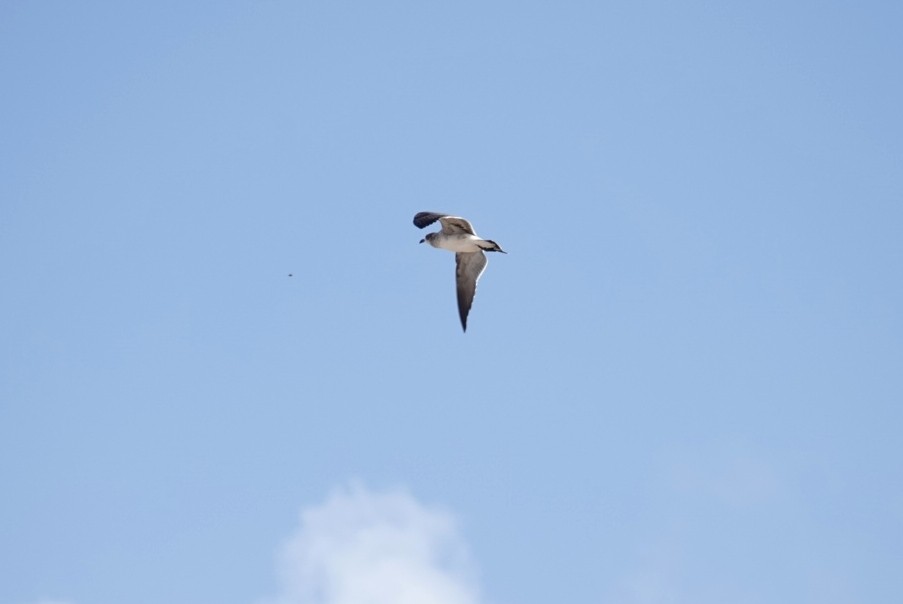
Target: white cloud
x: 365, y: 547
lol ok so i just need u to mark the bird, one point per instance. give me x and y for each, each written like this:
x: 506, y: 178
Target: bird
x: 457, y: 235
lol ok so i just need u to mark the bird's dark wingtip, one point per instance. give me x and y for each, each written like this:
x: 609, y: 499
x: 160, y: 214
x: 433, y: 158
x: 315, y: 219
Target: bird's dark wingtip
x: 424, y: 219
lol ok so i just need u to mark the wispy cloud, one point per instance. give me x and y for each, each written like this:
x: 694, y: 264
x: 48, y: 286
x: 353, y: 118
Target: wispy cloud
x: 722, y: 507
x: 366, y: 547
x: 731, y: 476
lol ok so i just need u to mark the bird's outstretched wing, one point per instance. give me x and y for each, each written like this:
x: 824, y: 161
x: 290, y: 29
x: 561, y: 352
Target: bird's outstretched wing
x: 469, y: 267
x: 451, y: 225
x: 425, y: 219
x: 454, y: 225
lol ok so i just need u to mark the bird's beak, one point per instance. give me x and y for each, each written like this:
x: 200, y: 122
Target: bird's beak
x: 422, y: 240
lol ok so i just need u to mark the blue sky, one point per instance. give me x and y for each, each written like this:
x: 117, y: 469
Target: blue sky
x: 683, y: 383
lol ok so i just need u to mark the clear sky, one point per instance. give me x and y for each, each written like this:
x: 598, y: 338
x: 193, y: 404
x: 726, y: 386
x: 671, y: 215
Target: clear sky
x: 682, y: 384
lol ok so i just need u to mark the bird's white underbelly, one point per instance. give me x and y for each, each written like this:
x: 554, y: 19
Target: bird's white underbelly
x: 458, y: 243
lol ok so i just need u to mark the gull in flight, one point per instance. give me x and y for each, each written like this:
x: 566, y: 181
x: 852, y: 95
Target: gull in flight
x: 459, y: 237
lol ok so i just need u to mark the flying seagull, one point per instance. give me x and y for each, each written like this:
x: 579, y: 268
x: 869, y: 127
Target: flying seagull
x: 459, y: 237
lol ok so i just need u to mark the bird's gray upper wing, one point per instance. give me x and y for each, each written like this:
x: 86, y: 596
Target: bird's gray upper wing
x: 451, y: 225
x: 469, y: 267
x: 425, y: 219
x: 455, y: 225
